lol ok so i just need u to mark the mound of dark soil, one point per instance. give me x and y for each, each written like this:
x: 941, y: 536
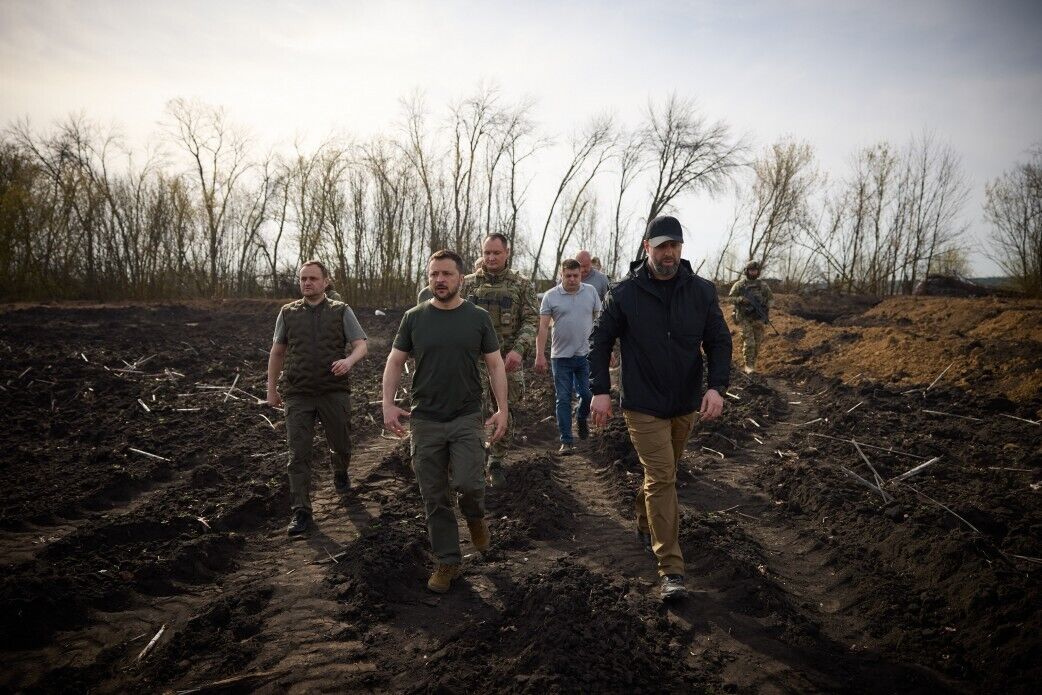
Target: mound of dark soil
x: 533, y: 506
x: 566, y: 630
x: 942, y: 566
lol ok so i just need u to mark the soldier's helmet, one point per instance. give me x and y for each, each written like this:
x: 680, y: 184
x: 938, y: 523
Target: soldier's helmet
x: 752, y: 265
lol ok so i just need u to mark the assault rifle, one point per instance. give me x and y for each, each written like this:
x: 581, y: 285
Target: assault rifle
x: 760, y: 310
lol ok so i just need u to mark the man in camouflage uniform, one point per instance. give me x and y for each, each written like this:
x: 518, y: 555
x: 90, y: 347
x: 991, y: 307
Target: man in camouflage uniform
x: 509, y: 298
x: 747, y: 290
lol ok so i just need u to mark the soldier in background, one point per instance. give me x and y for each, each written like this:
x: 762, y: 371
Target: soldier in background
x: 509, y: 298
x: 752, y: 300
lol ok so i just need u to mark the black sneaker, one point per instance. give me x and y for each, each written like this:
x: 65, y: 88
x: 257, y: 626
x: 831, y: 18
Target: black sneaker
x: 567, y: 449
x: 584, y: 429
x: 340, y: 482
x: 644, y: 538
x: 301, y: 523
x: 672, y: 587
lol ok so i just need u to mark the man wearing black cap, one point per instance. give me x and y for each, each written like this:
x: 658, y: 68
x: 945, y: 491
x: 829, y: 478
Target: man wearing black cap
x: 664, y: 317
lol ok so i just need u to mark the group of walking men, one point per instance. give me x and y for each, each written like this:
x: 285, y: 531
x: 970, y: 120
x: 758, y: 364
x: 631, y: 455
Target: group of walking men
x: 469, y: 335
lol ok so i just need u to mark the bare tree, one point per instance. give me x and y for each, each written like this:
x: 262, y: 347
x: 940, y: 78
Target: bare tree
x: 689, y: 153
x: 934, y: 190
x: 631, y: 158
x: 775, y: 203
x: 218, y: 153
x: 590, y: 150
x: 1014, y: 209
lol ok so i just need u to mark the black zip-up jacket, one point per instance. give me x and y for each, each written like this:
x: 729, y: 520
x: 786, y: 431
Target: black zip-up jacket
x: 661, y: 346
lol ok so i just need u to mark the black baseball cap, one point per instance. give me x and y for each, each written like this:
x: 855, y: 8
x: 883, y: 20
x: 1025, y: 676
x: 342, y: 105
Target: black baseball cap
x: 662, y: 229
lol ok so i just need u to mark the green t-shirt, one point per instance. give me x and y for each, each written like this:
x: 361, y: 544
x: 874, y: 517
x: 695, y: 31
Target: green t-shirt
x: 446, y: 345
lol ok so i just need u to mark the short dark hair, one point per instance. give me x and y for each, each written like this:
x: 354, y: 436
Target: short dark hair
x: 320, y: 264
x: 449, y: 255
x: 501, y: 237
x: 570, y: 264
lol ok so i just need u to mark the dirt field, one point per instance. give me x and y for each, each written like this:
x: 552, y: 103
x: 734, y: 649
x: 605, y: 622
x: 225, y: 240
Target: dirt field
x: 141, y: 491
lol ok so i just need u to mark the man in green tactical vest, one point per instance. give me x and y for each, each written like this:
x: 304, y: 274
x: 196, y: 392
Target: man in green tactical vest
x: 752, y: 303
x: 509, y: 298
x: 317, y: 341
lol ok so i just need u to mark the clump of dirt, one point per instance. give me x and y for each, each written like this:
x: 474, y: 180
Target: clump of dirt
x: 533, y: 506
x: 567, y: 629
x: 223, y: 632
x: 988, y: 345
x: 943, y: 566
x: 389, y: 562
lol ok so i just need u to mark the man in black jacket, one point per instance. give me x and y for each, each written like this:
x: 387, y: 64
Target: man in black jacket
x: 664, y: 317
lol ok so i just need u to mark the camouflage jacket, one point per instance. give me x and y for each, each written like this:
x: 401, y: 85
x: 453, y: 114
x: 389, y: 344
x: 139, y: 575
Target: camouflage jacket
x: 508, y: 296
x: 743, y: 310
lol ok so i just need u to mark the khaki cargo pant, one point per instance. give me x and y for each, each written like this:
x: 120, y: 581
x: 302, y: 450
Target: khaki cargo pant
x: 752, y: 338
x: 334, y: 410
x: 660, y: 445
x: 515, y: 392
x: 448, y: 458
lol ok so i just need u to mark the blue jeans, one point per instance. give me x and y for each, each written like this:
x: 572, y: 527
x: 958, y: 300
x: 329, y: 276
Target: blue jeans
x: 571, y: 375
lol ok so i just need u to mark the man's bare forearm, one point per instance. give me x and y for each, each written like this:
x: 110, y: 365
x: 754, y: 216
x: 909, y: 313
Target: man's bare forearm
x: 497, y: 376
x: 359, y: 349
x: 391, y: 380
x: 276, y: 360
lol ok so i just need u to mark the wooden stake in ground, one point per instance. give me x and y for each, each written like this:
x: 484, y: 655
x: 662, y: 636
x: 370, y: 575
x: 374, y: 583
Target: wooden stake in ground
x: 961, y: 417
x: 234, y: 382
x: 145, y: 453
x: 879, y: 478
x: 148, y: 647
x: 914, y: 471
x: 861, y: 480
x: 934, y: 382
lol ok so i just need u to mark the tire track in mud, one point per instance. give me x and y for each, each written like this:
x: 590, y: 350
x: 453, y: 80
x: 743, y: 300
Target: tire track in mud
x: 763, y: 609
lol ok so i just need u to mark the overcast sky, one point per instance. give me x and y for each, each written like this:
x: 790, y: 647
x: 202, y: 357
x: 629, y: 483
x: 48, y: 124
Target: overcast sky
x: 839, y: 74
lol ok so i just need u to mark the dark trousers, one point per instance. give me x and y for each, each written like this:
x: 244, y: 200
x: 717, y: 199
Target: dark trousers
x: 449, y: 460
x: 334, y: 410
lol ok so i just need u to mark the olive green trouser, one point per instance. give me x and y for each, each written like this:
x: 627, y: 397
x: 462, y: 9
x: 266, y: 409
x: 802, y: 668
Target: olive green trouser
x: 660, y: 445
x: 334, y: 410
x: 752, y: 338
x: 515, y: 391
x: 449, y: 458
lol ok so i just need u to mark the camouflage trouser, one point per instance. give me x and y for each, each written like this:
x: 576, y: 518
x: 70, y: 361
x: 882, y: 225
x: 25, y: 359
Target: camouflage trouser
x: 334, y: 411
x: 752, y: 337
x: 515, y: 387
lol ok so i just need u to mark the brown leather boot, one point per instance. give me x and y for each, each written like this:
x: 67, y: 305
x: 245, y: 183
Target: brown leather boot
x: 442, y: 578
x: 478, y: 533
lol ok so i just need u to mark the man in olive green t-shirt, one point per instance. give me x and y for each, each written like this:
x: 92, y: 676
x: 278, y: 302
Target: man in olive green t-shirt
x: 446, y: 336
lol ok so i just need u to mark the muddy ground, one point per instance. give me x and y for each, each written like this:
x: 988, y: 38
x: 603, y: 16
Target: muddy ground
x: 140, y: 490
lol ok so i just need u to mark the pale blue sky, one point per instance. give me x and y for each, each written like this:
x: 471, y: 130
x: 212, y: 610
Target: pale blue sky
x: 838, y: 74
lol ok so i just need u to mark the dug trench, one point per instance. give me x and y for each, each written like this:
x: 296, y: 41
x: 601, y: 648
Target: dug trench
x: 802, y: 578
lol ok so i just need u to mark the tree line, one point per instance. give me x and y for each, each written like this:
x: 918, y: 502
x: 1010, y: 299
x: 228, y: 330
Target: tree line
x: 205, y: 212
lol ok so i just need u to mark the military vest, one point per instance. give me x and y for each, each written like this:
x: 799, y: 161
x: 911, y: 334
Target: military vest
x: 756, y: 289
x: 315, y: 340
x: 503, y: 296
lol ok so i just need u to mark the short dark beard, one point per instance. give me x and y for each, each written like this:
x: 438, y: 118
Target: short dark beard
x: 452, y: 294
x: 659, y: 270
